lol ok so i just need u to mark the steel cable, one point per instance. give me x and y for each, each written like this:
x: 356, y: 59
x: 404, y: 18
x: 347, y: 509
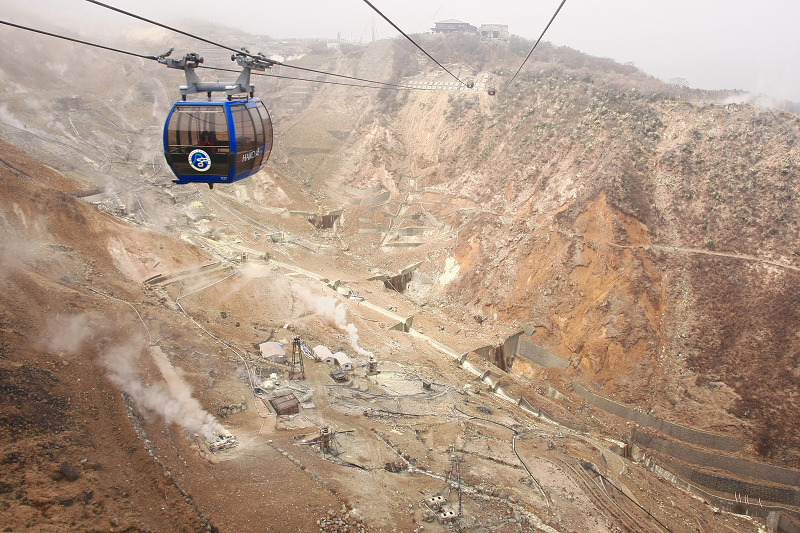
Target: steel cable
x: 537, y: 42
x: 413, y: 42
x: 153, y: 58
x: 248, y: 54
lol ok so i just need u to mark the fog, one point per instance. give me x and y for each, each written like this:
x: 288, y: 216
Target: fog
x: 712, y: 45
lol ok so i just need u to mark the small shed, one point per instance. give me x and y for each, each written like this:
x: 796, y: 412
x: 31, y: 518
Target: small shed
x: 322, y: 353
x: 285, y: 403
x: 344, y: 361
x: 341, y: 359
x: 273, y: 351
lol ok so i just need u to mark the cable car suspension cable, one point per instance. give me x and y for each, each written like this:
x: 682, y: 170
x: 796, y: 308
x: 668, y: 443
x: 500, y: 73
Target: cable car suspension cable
x: 279, y: 76
x: 154, y: 58
x: 246, y: 53
x: 412, y: 41
x: 536, y: 43
x: 133, y: 15
x: 386, y: 84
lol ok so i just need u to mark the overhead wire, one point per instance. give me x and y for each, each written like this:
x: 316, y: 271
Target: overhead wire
x: 246, y: 53
x: 537, y: 42
x: 281, y: 76
x: 378, y: 11
x: 155, y: 58
x: 197, y: 37
x: 386, y: 84
x: 42, y: 32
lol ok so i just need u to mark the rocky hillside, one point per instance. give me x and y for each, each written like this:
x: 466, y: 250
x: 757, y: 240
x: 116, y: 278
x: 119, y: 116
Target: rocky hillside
x: 647, y: 232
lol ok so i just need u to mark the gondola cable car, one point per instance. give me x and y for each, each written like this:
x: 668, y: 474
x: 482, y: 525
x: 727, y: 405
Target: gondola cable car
x: 217, y: 139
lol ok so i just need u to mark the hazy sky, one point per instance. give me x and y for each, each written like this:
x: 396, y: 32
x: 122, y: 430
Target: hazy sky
x: 713, y: 44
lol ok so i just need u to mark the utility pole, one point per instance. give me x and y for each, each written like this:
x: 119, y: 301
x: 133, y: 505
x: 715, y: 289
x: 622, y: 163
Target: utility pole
x: 297, y: 359
x: 455, y: 474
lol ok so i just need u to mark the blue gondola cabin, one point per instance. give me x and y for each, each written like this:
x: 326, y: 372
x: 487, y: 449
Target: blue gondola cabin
x: 217, y: 140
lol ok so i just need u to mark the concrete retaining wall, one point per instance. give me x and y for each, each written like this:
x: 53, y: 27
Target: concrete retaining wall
x: 785, y: 525
x: 754, y: 491
x: 413, y: 230
x: 684, y: 434
x: 526, y: 406
x: 538, y: 355
x: 761, y: 471
x: 375, y: 207
x: 361, y: 193
x: 372, y: 200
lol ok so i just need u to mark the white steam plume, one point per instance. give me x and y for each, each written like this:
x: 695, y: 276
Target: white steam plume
x: 335, y: 312
x: 171, y: 400
x: 67, y: 334
x: 6, y: 117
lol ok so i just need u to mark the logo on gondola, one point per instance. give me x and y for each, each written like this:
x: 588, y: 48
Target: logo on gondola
x: 199, y: 160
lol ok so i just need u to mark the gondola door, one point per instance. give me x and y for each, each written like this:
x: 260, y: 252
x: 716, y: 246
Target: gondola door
x: 197, y: 143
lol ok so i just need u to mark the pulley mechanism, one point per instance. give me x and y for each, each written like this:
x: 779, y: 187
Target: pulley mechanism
x: 191, y: 61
